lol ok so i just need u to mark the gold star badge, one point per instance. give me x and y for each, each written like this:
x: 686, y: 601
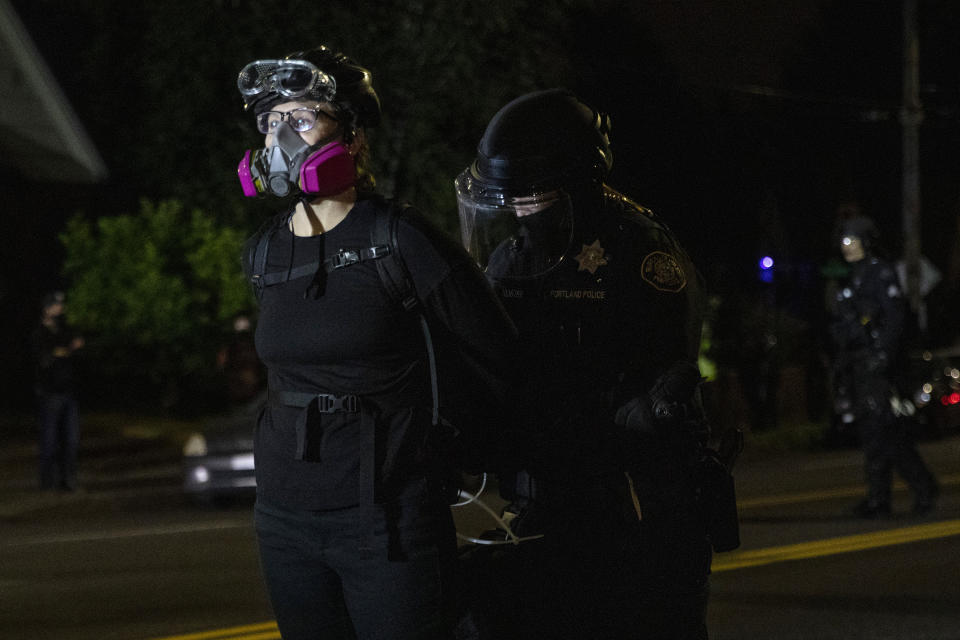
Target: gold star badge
x: 591, y: 257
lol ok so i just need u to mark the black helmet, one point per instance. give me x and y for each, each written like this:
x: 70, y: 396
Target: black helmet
x: 516, y: 199
x: 862, y: 227
x: 543, y: 140
x: 352, y: 94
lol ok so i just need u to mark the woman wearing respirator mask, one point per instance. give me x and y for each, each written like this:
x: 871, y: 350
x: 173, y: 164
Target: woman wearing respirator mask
x: 353, y: 523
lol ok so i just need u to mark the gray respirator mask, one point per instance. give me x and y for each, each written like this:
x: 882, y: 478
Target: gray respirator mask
x: 289, y: 164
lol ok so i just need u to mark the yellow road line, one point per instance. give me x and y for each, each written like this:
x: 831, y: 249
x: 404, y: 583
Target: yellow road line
x: 724, y: 562
x: 260, y: 631
x: 832, y: 546
x: 823, y: 494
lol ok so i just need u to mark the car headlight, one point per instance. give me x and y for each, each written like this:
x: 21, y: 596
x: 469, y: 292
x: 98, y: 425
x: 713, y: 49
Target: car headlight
x: 196, y: 445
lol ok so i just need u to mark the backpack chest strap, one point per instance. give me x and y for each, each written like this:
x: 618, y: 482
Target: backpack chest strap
x: 343, y: 258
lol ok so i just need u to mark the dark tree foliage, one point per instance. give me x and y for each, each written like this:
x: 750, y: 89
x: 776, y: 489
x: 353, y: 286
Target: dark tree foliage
x: 155, y: 84
x: 154, y: 318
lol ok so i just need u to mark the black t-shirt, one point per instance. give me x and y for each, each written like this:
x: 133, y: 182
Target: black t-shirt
x: 54, y: 373
x: 349, y: 337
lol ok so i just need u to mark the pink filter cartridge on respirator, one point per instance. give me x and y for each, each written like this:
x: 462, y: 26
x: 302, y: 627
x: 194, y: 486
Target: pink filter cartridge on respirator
x: 329, y: 171
x: 246, y: 179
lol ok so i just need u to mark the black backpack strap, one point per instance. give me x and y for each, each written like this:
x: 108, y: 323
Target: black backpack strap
x: 255, y: 260
x: 384, y: 249
x: 392, y: 269
x: 343, y: 258
x: 399, y: 285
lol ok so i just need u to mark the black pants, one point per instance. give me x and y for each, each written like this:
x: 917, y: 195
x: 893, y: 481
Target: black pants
x: 59, y: 439
x: 517, y: 593
x: 377, y: 572
x: 888, y: 444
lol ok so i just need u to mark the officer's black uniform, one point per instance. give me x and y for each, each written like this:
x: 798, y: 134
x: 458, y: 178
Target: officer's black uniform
x: 597, y: 331
x: 618, y: 497
x: 867, y: 327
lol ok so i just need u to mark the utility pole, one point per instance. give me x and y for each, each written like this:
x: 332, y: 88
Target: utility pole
x: 911, y: 115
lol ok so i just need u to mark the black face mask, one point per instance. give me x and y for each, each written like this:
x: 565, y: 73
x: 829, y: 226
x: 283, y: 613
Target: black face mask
x: 538, y: 245
x: 514, y: 237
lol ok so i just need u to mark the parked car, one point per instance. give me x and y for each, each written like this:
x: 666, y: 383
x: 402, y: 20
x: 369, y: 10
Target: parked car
x: 936, y: 390
x: 218, y: 460
x: 927, y: 394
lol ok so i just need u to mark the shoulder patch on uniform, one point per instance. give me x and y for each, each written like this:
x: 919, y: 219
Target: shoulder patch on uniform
x: 663, y: 272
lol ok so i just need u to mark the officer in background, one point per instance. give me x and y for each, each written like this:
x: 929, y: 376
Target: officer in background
x: 58, y: 418
x: 613, y: 491
x: 867, y: 328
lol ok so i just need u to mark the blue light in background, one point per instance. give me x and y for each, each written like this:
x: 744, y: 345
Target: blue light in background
x: 766, y: 269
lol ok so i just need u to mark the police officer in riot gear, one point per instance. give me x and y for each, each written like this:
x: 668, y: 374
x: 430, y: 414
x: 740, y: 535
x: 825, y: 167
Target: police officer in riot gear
x: 610, y: 463
x: 867, y: 327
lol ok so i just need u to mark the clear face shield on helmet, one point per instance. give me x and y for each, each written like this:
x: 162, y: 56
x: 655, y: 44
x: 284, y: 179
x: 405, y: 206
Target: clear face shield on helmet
x: 513, y: 237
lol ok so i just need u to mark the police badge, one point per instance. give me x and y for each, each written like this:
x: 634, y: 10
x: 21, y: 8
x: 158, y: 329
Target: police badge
x: 591, y: 257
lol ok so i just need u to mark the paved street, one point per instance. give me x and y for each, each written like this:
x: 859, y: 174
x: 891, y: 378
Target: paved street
x: 130, y: 558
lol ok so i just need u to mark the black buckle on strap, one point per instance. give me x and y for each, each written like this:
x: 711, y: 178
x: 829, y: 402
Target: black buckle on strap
x: 343, y: 258
x: 378, y: 251
x: 329, y: 403
x: 347, y: 257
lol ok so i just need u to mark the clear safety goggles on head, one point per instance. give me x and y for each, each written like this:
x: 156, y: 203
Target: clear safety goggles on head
x: 513, y: 237
x: 288, y: 78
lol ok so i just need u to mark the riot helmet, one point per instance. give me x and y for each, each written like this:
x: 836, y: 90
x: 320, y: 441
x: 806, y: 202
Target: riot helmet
x: 517, y: 198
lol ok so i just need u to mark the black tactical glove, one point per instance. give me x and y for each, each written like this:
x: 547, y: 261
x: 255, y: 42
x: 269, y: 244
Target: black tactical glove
x: 651, y: 423
x: 668, y: 400
x: 636, y: 415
